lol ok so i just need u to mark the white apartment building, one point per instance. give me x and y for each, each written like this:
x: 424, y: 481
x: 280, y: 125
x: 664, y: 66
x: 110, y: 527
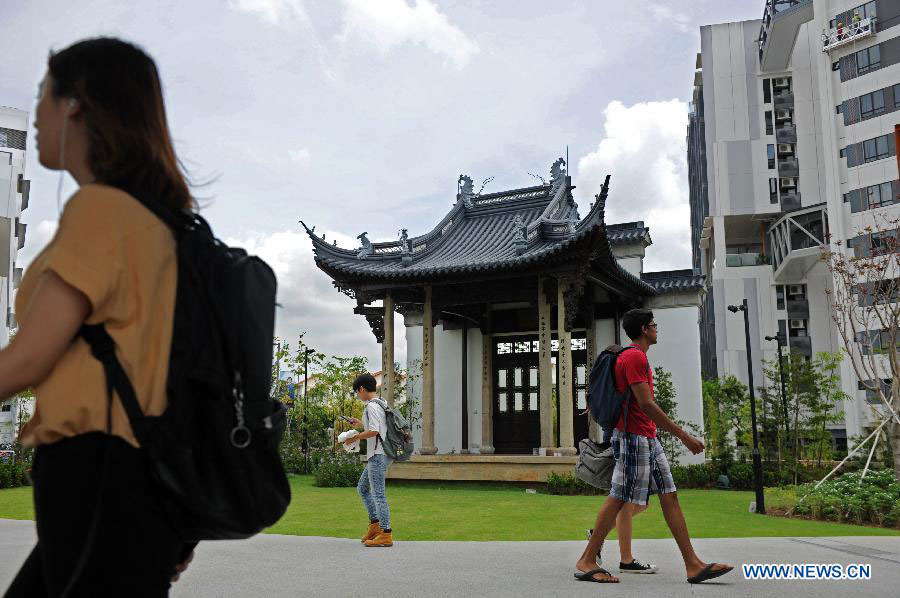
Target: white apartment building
x: 791, y: 138
x: 14, y: 189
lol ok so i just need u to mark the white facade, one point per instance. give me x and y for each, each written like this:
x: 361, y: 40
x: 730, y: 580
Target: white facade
x: 14, y: 191
x: 782, y: 94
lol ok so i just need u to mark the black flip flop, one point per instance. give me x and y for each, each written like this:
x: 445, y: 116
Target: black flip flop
x: 589, y: 576
x: 708, y: 573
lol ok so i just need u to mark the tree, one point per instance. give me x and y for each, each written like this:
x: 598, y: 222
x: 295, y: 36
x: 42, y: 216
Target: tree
x: 665, y: 396
x: 865, y: 307
x: 723, y: 399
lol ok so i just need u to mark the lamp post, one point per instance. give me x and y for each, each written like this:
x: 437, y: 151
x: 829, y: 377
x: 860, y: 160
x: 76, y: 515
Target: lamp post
x: 780, y: 340
x: 757, y: 463
x: 306, y: 354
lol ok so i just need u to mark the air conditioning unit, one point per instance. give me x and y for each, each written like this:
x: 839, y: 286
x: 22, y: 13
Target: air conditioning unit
x: 782, y: 82
x: 795, y: 324
x: 783, y: 114
x: 788, y: 183
x: 785, y: 148
x: 795, y: 289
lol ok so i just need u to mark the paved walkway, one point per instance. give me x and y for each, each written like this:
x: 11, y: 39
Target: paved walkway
x: 290, y: 566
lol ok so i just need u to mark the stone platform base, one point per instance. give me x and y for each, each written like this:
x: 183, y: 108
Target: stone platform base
x: 493, y: 468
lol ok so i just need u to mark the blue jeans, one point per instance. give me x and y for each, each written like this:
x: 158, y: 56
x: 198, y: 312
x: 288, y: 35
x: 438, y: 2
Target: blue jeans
x: 371, y: 490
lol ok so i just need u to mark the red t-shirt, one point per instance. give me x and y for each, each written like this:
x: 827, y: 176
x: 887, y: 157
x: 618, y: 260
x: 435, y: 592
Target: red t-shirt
x: 631, y: 367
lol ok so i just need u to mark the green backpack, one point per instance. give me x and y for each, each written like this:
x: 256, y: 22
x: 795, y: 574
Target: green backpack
x: 398, y: 445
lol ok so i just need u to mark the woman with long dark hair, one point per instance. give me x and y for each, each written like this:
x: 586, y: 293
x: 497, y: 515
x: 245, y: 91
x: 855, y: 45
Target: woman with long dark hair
x: 100, y: 116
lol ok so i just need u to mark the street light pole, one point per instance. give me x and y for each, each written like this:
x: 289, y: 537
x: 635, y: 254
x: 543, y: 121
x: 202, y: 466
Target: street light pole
x: 779, y: 338
x: 757, y: 462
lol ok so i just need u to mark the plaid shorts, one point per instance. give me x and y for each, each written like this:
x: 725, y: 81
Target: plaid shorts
x: 641, y: 468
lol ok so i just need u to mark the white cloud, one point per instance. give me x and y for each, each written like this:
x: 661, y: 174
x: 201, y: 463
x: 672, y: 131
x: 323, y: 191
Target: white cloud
x: 390, y: 23
x: 310, y: 303
x: 274, y: 12
x: 665, y: 14
x: 644, y: 150
x: 299, y: 156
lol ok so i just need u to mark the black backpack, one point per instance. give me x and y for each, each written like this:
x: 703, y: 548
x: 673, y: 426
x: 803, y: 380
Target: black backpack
x: 214, y: 451
x: 604, y: 401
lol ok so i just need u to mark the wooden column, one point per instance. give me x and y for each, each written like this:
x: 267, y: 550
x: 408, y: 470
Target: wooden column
x: 428, y: 447
x: 487, y: 388
x: 594, y: 431
x: 564, y: 359
x: 465, y: 388
x: 545, y: 366
x: 387, y: 352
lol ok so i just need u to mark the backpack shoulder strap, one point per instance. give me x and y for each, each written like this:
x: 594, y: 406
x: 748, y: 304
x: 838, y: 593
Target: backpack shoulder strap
x: 103, y: 348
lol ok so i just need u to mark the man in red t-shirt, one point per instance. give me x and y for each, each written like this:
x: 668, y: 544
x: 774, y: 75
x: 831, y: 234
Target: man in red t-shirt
x: 641, y: 466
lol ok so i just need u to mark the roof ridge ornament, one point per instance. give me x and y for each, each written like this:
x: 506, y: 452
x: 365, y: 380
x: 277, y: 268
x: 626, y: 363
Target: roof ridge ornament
x: 519, y: 235
x: 557, y: 175
x: 405, y: 249
x: 465, y: 190
x: 366, y: 249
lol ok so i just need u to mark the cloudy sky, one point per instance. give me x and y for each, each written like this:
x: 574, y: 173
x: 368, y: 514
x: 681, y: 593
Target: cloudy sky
x: 359, y: 115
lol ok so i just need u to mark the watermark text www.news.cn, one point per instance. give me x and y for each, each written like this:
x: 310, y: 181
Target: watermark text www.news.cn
x: 808, y: 571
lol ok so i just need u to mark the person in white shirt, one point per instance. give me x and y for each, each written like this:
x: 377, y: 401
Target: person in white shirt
x: 371, y: 482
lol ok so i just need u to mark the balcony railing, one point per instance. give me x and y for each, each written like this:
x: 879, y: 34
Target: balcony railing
x: 780, y: 22
x: 786, y: 134
x: 798, y: 309
x: 788, y: 167
x: 785, y: 99
x: 738, y: 260
x: 790, y: 202
x: 847, y: 34
x: 801, y: 344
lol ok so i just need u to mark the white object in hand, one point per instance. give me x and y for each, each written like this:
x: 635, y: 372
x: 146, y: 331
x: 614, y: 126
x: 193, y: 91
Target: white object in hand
x: 352, y: 447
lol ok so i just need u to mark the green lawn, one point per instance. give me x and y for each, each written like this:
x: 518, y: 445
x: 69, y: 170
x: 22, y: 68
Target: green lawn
x: 480, y: 512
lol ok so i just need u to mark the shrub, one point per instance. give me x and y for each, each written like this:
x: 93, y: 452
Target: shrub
x: 567, y: 484
x: 740, y: 476
x: 704, y: 475
x: 338, y: 470
x: 13, y: 474
x: 850, y: 498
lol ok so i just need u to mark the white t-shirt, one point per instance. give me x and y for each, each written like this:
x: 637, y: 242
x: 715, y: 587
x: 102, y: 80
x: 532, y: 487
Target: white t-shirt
x: 374, y: 419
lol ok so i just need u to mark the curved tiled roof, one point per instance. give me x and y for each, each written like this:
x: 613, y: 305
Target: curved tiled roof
x: 672, y: 281
x: 504, y: 231
x: 628, y: 232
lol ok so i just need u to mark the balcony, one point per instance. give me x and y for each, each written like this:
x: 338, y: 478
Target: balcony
x: 785, y: 99
x: 780, y: 24
x: 786, y: 134
x: 848, y: 34
x: 790, y: 202
x: 798, y: 309
x: 797, y: 240
x: 788, y: 167
x: 801, y: 344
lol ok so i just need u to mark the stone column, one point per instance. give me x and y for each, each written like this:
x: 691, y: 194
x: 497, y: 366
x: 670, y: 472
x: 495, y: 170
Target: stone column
x: 545, y: 367
x: 594, y: 431
x: 487, y: 388
x: 564, y: 358
x: 428, y: 447
x: 387, y: 352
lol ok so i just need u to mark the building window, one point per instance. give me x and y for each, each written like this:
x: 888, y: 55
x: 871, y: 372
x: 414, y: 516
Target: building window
x: 883, y: 243
x: 770, y: 153
x: 871, y: 104
x: 836, y: 66
x: 782, y: 328
x: 767, y: 91
x: 879, y: 195
x: 773, y: 190
x: 897, y: 95
x: 769, y: 127
x: 868, y: 59
x: 867, y: 10
x: 875, y: 149
x: 779, y: 296
x: 843, y: 152
x: 6, y: 407
x: 837, y: 109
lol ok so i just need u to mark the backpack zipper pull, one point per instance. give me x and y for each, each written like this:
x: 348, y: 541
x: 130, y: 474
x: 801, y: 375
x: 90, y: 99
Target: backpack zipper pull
x: 240, y: 434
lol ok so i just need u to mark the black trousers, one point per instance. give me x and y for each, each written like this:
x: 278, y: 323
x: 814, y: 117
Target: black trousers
x: 135, y: 549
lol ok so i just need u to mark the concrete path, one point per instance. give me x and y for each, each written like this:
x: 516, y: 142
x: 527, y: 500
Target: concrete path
x: 274, y: 566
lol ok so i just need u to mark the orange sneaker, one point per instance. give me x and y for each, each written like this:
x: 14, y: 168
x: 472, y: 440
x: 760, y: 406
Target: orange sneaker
x: 373, y: 531
x: 382, y: 539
